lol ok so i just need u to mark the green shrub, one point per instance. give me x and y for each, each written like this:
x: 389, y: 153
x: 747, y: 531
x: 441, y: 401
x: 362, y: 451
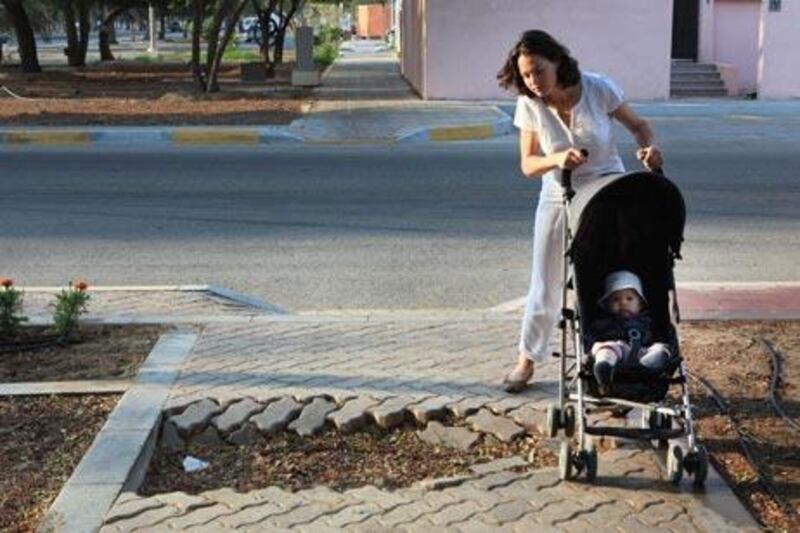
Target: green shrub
x: 70, y: 304
x: 10, y: 308
x: 325, y: 54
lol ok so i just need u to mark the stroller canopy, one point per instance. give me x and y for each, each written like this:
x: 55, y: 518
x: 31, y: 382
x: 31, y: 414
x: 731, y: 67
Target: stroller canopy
x: 630, y: 222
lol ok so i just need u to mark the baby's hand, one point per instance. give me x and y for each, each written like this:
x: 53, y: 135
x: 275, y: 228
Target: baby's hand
x: 651, y: 157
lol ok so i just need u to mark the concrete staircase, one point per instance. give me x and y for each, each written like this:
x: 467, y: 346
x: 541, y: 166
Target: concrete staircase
x: 689, y: 78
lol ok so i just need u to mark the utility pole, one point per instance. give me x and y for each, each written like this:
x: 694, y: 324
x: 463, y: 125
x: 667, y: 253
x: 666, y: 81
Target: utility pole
x: 151, y: 26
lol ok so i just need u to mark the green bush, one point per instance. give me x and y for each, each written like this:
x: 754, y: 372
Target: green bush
x: 325, y: 54
x: 10, y: 308
x: 70, y: 304
x: 234, y: 54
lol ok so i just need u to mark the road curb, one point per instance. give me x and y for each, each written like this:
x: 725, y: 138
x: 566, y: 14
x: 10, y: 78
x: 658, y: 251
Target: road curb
x: 148, y: 136
x: 467, y: 132
x: 122, y: 449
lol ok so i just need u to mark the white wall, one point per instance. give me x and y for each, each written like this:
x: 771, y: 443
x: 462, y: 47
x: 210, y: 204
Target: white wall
x: 736, y: 27
x: 779, y: 62
x: 468, y: 41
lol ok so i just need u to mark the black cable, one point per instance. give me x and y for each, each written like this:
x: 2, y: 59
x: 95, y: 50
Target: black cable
x: 776, y: 376
x: 764, y: 478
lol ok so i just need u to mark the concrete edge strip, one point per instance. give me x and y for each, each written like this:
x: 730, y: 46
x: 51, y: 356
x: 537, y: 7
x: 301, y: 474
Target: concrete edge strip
x: 465, y: 132
x: 38, y: 388
x: 244, y: 299
x: 119, y: 455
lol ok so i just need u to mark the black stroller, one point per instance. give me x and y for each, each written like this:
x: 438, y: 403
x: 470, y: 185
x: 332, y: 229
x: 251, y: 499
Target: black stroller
x: 633, y: 222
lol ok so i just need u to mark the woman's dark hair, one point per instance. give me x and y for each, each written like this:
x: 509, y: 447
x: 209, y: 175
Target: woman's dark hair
x: 540, y: 43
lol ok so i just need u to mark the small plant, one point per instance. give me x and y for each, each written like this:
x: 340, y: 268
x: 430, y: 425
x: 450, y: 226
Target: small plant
x: 70, y: 304
x: 10, y: 308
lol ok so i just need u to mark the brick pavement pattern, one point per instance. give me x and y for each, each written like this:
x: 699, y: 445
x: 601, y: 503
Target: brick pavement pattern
x: 389, y: 370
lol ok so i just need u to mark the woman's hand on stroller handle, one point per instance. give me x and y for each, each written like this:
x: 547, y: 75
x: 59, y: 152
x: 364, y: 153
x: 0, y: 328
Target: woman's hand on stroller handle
x: 651, y: 157
x: 571, y: 158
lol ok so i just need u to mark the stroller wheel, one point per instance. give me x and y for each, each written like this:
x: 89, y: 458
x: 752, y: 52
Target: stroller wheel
x: 697, y: 465
x: 675, y: 464
x: 553, y: 421
x: 565, y: 461
x: 569, y: 420
x: 589, y: 458
x: 656, y: 420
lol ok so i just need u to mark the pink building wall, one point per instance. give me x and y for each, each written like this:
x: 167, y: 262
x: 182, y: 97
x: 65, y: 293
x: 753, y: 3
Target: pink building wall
x: 779, y: 62
x: 736, y: 27
x: 412, y: 42
x: 466, y: 41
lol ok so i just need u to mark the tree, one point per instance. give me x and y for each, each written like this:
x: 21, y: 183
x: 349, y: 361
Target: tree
x: 273, y: 34
x: 106, y: 32
x: 77, y: 39
x: 26, y: 40
x: 226, y: 14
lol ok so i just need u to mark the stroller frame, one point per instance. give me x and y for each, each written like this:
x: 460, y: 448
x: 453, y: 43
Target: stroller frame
x: 668, y: 423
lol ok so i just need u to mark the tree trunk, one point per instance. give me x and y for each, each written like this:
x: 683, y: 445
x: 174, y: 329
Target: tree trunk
x: 71, y: 51
x: 85, y: 22
x: 280, y: 35
x: 267, y: 34
x: 162, y: 23
x: 106, y: 30
x: 198, y: 7
x: 26, y: 41
x: 212, y: 39
x: 232, y: 19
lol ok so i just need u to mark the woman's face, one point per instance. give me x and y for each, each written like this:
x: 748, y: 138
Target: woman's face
x: 538, y: 73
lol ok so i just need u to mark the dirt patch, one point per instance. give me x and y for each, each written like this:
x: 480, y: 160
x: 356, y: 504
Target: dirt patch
x: 42, y: 439
x: 139, y: 94
x: 388, y: 459
x: 732, y: 359
x: 105, y: 352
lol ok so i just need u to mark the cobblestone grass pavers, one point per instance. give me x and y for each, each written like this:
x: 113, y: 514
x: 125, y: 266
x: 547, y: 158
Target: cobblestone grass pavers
x: 423, y: 371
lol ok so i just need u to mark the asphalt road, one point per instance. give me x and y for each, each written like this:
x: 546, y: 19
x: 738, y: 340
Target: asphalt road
x: 331, y: 227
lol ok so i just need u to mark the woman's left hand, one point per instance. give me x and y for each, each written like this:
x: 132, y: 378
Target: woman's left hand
x: 650, y: 156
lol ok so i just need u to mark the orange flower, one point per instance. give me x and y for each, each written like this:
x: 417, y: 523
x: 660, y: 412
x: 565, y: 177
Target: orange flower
x: 80, y: 284
x: 6, y: 282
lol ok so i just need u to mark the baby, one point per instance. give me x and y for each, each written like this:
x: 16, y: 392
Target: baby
x: 622, y: 336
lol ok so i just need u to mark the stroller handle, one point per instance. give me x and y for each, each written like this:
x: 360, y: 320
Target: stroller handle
x: 566, y: 178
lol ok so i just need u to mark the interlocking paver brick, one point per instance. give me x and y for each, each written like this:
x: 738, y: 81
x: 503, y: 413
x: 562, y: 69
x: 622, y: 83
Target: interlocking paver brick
x: 277, y: 415
x: 182, y: 502
x: 454, y: 513
x: 467, y: 406
x: 351, y: 514
x: 208, y: 437
x: 252, y: 515
x: 454, y: 437
x: 130, y: 507
x: 236, y: 414
x: 663, y: 512
x: 431, y: 408
x: 144, y: 519
x: 392, y: 412
x: 506, y: 512
x: 245, y: 435
x: 195, y: 416
x: 353, y: 415
x: 312, y: 418
x: 502, y: 428
x: 533, y: 420
x: 495, y: 480
x: 302, y: 514
x: 498, y: 465
x: 199, y: 517
x: 170, y: 440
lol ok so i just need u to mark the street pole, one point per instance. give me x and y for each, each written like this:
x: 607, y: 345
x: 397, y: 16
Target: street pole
x: 151, y: 26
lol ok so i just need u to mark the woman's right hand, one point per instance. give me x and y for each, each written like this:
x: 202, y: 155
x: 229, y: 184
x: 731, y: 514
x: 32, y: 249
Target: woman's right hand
x: 569, y: 159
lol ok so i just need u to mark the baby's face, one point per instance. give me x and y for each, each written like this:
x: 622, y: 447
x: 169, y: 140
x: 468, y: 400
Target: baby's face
x: 625, y: 303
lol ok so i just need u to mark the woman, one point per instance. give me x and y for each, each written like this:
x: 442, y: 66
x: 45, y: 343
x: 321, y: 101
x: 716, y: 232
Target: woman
x: 560, y: 112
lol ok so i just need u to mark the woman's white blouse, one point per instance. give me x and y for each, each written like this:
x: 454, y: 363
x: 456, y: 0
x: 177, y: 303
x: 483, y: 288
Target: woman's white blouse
x: 591, y: 129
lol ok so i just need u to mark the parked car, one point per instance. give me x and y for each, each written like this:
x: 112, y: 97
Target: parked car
x: 174, y: 26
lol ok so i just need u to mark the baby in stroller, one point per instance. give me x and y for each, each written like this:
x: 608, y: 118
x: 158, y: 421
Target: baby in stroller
x: 621, y: 337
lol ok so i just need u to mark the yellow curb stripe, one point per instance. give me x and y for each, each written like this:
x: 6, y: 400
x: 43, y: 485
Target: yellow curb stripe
x: 48, y: 137
x: 462, y: 133
x: 215, y: 137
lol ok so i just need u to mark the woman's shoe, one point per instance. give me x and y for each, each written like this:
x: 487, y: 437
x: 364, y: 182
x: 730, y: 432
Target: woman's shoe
x: 517, y: 379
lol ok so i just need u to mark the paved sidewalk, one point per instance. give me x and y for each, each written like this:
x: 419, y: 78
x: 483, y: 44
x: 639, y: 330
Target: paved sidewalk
x: 401, y: 364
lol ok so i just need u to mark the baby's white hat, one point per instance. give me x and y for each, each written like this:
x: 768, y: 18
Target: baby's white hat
x: 622, y: 279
